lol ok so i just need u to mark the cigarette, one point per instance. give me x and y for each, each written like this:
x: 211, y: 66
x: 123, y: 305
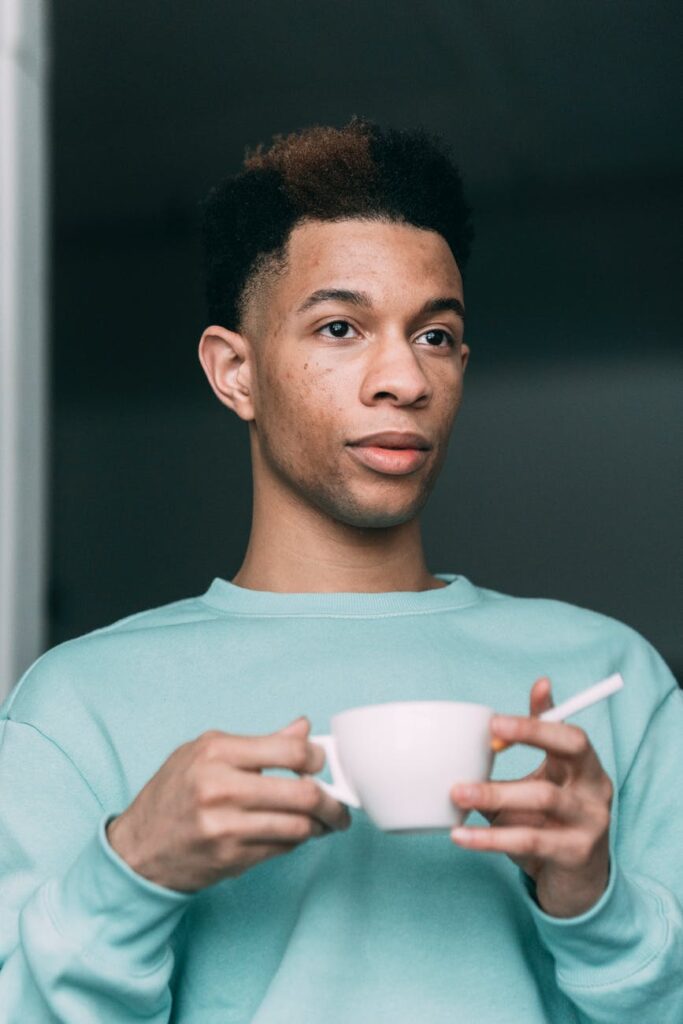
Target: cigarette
x: 584, y: 699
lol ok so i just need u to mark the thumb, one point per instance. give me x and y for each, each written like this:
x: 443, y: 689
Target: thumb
x: 299, y: 726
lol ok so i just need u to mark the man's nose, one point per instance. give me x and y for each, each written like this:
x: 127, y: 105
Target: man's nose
x: 393, y: 369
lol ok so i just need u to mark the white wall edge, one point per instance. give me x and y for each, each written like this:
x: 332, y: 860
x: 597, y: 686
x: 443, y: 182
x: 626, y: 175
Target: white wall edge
x: 23, y: 348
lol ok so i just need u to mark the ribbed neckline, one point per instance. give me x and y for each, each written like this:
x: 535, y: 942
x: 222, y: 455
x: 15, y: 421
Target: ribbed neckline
x: 227, y: 597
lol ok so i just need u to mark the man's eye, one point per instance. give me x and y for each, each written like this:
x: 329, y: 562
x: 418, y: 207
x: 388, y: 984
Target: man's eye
x: 338, y: 330
x: 438, y: 331
x: 334, y: 325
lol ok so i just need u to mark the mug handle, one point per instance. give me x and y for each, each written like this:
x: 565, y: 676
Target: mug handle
x: 340, y: 788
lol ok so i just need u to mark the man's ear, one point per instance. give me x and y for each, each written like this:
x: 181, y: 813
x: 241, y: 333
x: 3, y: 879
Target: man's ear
x: 464, y: 355
x: 226, y: 360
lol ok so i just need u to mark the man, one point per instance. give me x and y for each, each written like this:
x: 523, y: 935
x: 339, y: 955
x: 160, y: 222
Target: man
x: 165, y: 855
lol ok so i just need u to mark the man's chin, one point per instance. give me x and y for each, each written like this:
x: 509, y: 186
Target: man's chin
x: 376, y: 516
x: 345, y: 502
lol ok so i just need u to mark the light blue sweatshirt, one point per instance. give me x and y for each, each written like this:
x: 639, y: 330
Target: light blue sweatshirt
x: 355, y: 927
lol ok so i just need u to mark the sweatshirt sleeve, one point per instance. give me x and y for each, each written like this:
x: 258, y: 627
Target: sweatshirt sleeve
x: 82, y: 936
x: 622, y: 960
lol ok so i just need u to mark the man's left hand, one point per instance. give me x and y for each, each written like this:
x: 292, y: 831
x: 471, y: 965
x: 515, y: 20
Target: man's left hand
x: 554, y: 822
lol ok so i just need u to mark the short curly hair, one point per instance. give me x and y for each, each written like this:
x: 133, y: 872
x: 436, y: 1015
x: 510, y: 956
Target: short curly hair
x: 323, y: 173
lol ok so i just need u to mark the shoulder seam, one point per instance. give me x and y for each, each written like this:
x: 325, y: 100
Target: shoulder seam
x: 674, y: 689
x: 17, y: 686
x: 129, y: 618
x: 53, y: 743
x: 85, y: 636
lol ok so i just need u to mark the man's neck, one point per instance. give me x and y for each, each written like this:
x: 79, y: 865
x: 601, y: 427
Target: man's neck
x: 290, y: 554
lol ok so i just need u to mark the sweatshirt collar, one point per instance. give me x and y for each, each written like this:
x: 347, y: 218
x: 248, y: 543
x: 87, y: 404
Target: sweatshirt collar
x: 226, y: 596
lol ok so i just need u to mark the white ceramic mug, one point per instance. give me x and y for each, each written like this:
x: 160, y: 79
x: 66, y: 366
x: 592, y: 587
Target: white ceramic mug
x: 399, y: 760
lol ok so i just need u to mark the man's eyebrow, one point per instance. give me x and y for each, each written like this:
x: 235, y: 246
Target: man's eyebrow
x: 441, y: 304
x: 437, y: 305
x: 340, y: 294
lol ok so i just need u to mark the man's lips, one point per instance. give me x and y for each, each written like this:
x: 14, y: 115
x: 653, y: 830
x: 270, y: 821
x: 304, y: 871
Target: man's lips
x: 395, y: 452
x: 392, y: 439
x: 394, y: 461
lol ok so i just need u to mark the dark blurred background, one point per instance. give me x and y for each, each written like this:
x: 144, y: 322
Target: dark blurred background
x: 563, y: 476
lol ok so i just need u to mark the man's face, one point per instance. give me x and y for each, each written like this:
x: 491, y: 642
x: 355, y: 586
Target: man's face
x: 337, y: 371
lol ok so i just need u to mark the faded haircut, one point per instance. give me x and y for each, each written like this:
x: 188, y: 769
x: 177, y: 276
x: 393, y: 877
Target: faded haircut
x: 323, y: 173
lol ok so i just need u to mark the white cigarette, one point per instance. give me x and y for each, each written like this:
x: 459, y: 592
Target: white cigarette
x: 605, y: 688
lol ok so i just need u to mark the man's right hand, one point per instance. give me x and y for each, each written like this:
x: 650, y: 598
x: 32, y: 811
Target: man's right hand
x: 209, y: 813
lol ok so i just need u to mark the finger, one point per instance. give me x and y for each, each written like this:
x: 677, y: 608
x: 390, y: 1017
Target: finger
x: 300, y: 725
x: 272, y: 751
x: 555, y: 737
x: 298, y: 796
x: 560, y: 803
x: 272, y: 826
x: 547, y: 844
x: 540, y: 699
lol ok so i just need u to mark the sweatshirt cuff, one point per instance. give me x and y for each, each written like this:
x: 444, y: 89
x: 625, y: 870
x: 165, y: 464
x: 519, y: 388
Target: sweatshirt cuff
x: 101, y: 903
x: 613, y: 939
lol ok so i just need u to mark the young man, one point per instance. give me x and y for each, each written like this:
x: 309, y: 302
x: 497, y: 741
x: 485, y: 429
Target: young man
x: 163, y: 854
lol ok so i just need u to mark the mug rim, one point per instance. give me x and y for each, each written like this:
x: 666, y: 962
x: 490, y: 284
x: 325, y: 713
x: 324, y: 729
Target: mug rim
x: 412, y: 703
